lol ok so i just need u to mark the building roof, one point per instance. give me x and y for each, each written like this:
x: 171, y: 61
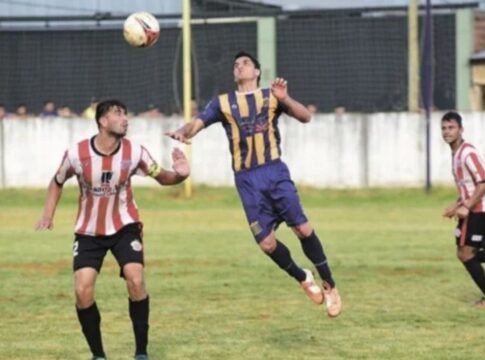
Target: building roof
x: 342, y: 4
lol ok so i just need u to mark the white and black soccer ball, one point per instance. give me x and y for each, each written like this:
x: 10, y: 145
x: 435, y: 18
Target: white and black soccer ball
x: 141, y: 29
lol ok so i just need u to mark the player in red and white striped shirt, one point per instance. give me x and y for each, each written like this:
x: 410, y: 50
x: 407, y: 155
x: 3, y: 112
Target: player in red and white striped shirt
x: 108, y: 217
x: 469, y: 172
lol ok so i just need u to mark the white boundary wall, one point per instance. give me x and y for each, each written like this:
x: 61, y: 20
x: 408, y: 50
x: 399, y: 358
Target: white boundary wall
x: 339, y: 151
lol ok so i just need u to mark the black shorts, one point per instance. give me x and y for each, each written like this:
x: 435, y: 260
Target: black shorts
x: 126, y: 246
x: 471, y: 231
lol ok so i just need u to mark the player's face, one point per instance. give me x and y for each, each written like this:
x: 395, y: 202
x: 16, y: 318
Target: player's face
x: 244, y: 70
x: 116, y: 122
x: 451, y: 131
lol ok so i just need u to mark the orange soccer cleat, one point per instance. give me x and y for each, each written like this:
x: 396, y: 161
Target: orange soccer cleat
x: 333, y: 302
x: 312, y: 290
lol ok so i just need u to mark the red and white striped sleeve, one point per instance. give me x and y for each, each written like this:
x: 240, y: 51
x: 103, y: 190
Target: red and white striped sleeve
x: 65, y: 170
x: 147, y: 166
x: 475, y: 166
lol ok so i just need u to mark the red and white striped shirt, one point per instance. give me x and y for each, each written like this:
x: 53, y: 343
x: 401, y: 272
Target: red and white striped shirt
x: 469, y: 170
x: 106, y: 201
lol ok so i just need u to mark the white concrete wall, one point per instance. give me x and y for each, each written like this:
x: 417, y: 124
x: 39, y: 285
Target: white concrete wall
x: 351, y: 150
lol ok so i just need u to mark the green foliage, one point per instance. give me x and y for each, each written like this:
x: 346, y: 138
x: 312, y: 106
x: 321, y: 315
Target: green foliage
x: 215, y: 296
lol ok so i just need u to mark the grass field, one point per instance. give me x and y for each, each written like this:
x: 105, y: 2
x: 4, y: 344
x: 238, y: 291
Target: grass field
x: 215, y: 296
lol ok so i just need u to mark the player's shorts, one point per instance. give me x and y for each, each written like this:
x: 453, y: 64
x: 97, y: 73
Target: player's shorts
x: 126, y: 246
x: 471, y: 231
x: 269, y: 197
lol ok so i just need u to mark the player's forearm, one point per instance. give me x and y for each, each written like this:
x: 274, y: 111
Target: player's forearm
x: 170, y: 178
x: 190, y: 129
x: 54, y: 193
x: 477, y: 195
x: 297, y: 110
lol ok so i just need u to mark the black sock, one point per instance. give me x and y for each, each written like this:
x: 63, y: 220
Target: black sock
x: 480, y: 255
x: 139, y: 311
x: 281, y: 256
x: 90, y: 320
x: 312, y: 247
x: 475, y: 270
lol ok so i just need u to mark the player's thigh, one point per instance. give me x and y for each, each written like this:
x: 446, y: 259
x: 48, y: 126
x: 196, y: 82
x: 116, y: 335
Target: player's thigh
x: 89, y: 252
x: 258, y: 209
x: 471, y: 231
x: 286, y: 200
x: 128, y: 247
x: 135, y: 280
x: 133, y: 272
x: 85, y: 278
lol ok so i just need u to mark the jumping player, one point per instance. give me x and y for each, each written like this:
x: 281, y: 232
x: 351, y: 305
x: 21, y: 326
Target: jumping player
x: 269, y: 197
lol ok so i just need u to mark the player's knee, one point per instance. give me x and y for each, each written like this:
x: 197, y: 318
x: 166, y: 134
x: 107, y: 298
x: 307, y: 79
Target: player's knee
x: 136, y: 287
x: 84, y: 294
x: 136, y: 282
x: 464, y: 254
x: 303, y: 231
x: 268, y: 244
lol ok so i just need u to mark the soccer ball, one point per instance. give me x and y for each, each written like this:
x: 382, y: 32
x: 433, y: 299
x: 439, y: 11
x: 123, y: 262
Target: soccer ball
x: 141, y: 29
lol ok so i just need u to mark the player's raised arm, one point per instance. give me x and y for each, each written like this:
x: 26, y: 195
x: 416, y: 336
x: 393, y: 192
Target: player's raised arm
x: 186, y: 132
x: 54, y: 192
x: 279, y: 88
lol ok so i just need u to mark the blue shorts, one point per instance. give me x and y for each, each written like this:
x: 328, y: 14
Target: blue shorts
x: 269, y: 197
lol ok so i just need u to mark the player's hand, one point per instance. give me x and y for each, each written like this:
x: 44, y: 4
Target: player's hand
x: 450, y: 211
x: 462, y: 212
x: 279, y: 88
x: 180, y: 163
x: 179, y: 136
x: 44, y: 223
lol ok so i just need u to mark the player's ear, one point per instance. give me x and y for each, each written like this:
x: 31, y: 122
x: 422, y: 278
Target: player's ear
x: 103, y: 121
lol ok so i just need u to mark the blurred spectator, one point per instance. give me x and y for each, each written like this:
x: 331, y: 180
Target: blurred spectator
x: 49, y: 109
x: 339, y: 109
x: 151, y: 112
x: 3, y: 112
x: 21, y: 112
x: 312, y: 108
x: 65, y: 111
x: 90, y: 111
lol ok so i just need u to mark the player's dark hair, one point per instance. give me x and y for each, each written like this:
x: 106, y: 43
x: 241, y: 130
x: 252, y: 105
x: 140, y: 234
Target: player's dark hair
x: 452, y: 115
x: 105, y: 106
x: 255, y: 61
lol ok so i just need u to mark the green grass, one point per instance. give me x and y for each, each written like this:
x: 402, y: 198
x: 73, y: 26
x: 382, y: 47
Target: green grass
x: 215, y: 296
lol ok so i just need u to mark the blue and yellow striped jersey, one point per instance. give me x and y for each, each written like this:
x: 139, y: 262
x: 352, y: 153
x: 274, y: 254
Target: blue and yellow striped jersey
x: 251, y: 124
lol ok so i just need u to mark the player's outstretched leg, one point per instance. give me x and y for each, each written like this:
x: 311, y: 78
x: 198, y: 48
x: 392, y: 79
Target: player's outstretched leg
x: 468, y: 256
x: 280, y: 254
x: 311, y: 289
x: 312, y: 247
x: 480, y: 255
